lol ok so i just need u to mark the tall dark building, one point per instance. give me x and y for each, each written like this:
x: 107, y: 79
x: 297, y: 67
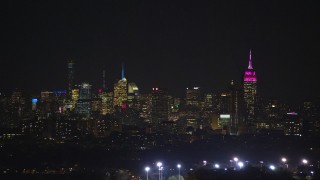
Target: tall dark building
x: 235, y: 106
x: 104, y: 79
x: 250, y: 91
x: 292, y: 124
x: 70, y: 78
x: 311, y: 118
x: 159, y: 106
x: 224, y: 121
x: 230, y: 109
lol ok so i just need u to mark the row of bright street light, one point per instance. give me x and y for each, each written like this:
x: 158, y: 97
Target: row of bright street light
x: 159, y: 164
x: 272, y: 167
x: 236, y: 160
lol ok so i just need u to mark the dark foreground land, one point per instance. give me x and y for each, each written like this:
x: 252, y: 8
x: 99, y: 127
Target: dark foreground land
x: 124, y: 157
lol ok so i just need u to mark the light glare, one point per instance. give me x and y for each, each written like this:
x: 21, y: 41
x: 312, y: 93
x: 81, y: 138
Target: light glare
x: 240, y: 164
x: 304, y: 161
x: 147, y: 168
x: 217, y: 166
x: 272, y: 167
x: 284, y: 160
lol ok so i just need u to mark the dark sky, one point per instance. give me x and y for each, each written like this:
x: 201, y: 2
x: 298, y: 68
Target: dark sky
x: 163, y: 43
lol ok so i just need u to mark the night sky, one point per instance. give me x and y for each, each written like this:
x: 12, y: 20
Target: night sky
x: 163, y: 43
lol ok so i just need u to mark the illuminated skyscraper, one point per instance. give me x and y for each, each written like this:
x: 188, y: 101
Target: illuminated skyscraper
x: 75, y: 97
x: 84, y: 101
x: 133, y: 93
x: 106, y: 102
x: 70, y: 78
x: 145, y: 106
x: 34, y: 102
x: 120, y: 91
x: 250, y: 91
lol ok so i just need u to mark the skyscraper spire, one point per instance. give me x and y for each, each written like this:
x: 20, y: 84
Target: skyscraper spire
x: 122, y: 71
x: 70, y: 64
x: 250, y: 61
x: 250, y: 92
x: 104, y: 78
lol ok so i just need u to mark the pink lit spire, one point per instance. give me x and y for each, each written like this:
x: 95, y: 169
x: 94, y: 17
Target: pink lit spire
x: 250, y: 61
x: 250, y: 74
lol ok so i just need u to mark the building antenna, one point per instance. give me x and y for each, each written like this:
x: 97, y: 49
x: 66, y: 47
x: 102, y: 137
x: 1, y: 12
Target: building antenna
x: 122, y: 70
x: 104, y: 78
x: 250, y: 61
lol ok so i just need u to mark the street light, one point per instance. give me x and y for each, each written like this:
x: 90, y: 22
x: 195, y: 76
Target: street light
x: 235, y: 159
x: 159, y: 164
x: 179, y: 166
x: 204, y: 163
x: 240, y: 164
x: 284, y: 160
x: 304, y: 161
x: 217, y: 166
x: 161, y: 172
x: 147, y: 170
x: 272, y: 167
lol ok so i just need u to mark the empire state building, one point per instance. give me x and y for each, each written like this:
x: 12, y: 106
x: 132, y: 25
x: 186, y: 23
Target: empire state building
x: 250, y: 91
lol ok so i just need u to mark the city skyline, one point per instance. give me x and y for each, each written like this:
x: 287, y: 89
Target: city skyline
x: 163, y: 44
x: 101, y: 82
x: 160, y: 90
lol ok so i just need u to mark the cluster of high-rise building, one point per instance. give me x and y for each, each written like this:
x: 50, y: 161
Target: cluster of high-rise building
x: 80, y: 110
